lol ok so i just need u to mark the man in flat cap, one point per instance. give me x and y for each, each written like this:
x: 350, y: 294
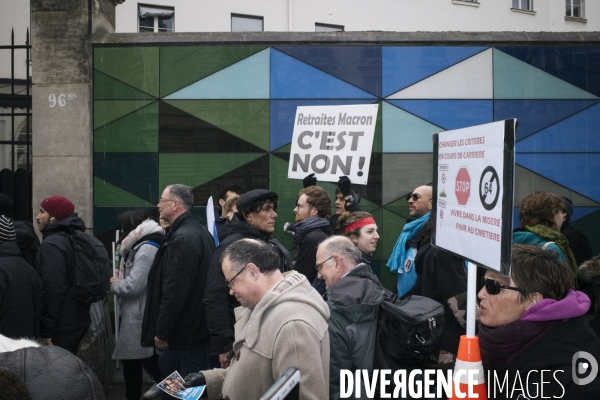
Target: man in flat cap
x: 64, y: 319
x: 254, y: 219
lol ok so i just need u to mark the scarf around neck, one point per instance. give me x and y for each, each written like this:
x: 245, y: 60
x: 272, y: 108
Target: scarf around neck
x: 559, y: 239
x: 308, y: 225
x: 398, y: 255
x: 509, y: 341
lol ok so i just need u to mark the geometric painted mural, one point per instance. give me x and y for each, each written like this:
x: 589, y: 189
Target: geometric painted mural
x: 208, y: 115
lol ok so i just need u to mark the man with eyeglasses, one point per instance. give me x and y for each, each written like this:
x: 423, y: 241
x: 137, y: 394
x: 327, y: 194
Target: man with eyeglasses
x: 282, y: 323
x: 354, y: 295
x: 402, y: 259
x: 312, y: 226
x: 174, y: 318
x: 255, y: 218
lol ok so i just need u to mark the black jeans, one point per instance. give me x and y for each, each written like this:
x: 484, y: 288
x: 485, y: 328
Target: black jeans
x: 132, y: 372
x: 69, y: 340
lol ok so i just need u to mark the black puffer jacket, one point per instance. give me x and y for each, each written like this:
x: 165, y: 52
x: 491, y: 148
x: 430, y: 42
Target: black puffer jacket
x: 306, y: 252
x: 27, y: 241
x: 51, y: 372
x: 60, y: 312
x: 19, y: 294
x: 217, y: 301
x: 176, y: 282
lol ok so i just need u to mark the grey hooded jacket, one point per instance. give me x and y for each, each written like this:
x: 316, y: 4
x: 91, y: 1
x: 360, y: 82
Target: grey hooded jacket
x: 354, y: 303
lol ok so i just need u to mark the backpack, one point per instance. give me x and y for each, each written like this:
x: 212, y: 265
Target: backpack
x: 90, y: 271
x: 409, y: 332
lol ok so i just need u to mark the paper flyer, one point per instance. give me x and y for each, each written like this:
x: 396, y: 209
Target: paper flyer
x: 173, y: 385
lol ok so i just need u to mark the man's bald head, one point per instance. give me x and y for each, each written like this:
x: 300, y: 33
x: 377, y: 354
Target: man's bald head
x: 422, y: 205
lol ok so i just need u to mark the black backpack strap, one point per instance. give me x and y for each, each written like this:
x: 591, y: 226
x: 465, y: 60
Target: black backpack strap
x: 71, y: 262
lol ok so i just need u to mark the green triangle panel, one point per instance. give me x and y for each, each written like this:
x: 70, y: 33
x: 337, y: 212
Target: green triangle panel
x: 286, y: 188
x: 515, y: 79
x: 588, y: 225
x: 135, y: 66
x: 392, y: 227
x: 527, y: 181
x: 182, y: 66
x: 107, y: 111
x: 404, y: 132
x: 254, y: 175
x: 194, y: 169
x: 135, y: 132
x: 106, y: 194
x: 107, y: 88
x: 402, y: 173
x: 246, y: 119
x: 284, y: 149
x: 247, y: 79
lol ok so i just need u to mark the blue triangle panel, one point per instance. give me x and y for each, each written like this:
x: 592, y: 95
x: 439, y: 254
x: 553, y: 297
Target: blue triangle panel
x: 580, y: 212
x: 283, y: 113
x: 358, y: 65
x: 578, y: 172
x: 578, y: 133
x: 136, y: 173
x: 535, y: 115
x: 293, y: 79
x: 404, y: 66
x: 571, y: 64
x: 449, y: 114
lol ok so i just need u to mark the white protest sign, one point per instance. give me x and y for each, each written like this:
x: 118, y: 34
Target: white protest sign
x: 332, y: 141
x: 473, y: 193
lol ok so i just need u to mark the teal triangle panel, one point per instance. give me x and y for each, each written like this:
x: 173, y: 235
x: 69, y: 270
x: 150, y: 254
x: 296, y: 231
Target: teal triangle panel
x: 247, y: 79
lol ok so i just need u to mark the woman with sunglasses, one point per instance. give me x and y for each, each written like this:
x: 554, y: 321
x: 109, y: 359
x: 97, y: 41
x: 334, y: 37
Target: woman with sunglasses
x: 541, y: 216
x: 532, y: 325
x: 361, y: 228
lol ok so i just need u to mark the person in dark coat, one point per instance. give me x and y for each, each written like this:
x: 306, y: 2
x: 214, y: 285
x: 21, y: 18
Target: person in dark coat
x: 532, y: 328
x: 254, y: 219
x: 578, y: 242
x: 27, y: 240
x: 19, y: 287
x: 228, y: 197
x: 442, y: 277
x: 64, y: 320
x: 49, y: 372
x: 174, y: 318
x: 312, y: 226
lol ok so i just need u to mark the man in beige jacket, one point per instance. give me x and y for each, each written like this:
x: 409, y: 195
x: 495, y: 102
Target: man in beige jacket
x: 282, y: 323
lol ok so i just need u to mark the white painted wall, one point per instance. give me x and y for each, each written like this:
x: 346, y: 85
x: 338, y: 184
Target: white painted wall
x: 368, y: 15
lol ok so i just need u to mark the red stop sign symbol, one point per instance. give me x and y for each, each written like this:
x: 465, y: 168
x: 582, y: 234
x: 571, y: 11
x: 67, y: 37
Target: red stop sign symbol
x: 462, y: 188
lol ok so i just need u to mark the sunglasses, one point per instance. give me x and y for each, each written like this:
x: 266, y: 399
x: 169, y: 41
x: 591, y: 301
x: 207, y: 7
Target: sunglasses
x: 494, y: 287
x: 413, y: 196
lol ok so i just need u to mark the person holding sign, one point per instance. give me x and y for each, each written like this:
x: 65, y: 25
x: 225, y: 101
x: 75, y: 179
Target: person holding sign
x: 534, y: 333
x: 402, y: 258
x: 541, y: 216
x: 312, y: 210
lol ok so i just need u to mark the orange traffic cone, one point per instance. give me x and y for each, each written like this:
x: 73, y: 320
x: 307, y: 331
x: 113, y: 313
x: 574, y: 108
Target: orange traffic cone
x: 469, y: 358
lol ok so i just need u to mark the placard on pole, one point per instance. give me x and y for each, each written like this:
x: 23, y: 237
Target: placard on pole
x: 473, y: 186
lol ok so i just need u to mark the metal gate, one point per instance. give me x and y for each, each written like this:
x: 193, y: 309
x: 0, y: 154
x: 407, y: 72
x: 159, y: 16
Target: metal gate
x: 15, y: 126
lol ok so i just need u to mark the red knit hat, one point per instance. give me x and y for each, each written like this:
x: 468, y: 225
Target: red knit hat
x: 57, y: 206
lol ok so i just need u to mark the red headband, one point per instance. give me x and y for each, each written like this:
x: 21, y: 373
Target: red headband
x: 359, y: 224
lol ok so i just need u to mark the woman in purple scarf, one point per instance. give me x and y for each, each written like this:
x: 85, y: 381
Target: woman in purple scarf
x: 532, y: 326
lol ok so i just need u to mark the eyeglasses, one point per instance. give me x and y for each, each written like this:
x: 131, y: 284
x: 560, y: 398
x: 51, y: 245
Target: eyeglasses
x: 413, y: 196
x: 493, y: 287
x: 229, y: 283
x: 164, y: 200
x: 320, y: 265
x: 302, y: 205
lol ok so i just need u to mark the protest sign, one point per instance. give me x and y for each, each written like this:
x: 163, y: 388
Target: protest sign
x: 332, y: 141
x: 473, y: 193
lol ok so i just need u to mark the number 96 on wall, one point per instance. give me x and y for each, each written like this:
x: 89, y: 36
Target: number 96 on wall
x: 60, y: 100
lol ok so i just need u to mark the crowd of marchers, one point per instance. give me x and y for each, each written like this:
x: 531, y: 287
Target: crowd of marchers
x: 233, y: 310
